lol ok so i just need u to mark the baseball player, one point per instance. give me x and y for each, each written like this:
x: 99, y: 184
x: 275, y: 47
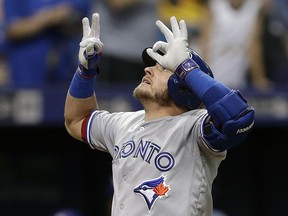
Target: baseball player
x: 164, y: 157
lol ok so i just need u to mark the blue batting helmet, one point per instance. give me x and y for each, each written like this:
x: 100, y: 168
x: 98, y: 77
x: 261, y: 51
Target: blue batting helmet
x: 177, y: 88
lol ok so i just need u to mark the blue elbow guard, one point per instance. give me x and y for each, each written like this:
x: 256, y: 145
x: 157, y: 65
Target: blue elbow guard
x: 228, y: 107
x: 236, y: 120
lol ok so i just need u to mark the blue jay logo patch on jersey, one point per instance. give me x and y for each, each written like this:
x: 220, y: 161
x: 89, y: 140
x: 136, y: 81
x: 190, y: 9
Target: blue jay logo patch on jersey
x: 151, y: 190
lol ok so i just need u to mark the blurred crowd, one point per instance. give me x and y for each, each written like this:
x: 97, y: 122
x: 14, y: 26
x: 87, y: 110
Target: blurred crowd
x: 40, y: 40
x: 245, y: 42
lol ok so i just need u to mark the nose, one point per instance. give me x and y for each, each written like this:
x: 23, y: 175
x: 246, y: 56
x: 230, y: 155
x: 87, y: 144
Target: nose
x: 149, y: 71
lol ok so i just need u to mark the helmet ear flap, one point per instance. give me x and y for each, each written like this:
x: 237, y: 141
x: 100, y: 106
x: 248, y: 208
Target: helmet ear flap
x: 181, y: 94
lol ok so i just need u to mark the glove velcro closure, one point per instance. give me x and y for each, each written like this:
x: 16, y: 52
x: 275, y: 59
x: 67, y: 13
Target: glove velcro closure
x: 93, y: 67
x: 186, y: 67
x: 88, y: 73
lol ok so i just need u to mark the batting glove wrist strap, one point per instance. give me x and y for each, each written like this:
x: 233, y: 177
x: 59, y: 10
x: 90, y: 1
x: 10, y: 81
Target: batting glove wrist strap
x: 92, y: 60
x: 92, y: 65
x: 186, y: 67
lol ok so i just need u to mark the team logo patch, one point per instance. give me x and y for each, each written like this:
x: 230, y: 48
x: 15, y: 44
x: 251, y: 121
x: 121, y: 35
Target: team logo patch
x: 151, y: 190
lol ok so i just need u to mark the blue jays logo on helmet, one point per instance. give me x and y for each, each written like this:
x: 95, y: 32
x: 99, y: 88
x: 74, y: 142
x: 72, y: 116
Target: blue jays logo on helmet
x: 178, y: 90
x: 151, y: 190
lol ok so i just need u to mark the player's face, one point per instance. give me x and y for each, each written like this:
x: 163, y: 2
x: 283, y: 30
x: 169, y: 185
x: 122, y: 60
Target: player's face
x: 153, y: 86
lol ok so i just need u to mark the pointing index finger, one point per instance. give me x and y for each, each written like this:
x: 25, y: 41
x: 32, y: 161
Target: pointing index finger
x: 86, y: 27
x: 165, y: 30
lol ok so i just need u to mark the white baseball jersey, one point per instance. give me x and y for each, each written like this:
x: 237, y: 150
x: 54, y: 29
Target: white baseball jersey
x: 161, y: 167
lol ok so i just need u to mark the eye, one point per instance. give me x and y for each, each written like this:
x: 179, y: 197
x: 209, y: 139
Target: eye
x: 160, y: 68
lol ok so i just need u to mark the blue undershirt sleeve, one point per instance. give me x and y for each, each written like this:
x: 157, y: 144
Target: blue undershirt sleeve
x: 205, y: 87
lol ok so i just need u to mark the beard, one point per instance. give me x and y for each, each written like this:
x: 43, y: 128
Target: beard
x: 161, y: 96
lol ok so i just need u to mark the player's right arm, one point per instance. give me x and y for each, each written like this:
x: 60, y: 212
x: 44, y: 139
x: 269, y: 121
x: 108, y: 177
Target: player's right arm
x: 81, y: 99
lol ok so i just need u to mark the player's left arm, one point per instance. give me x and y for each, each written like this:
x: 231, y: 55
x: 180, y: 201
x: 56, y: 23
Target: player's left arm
x: 231, y: 119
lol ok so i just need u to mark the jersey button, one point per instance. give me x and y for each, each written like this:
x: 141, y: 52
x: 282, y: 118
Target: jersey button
x: 125, y: 178
x: 121, y: 206
x: 141, y: 128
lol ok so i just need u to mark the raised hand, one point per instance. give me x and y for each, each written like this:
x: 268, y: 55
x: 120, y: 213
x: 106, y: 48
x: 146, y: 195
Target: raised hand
x: 175, y: 49
x: 91, y: 46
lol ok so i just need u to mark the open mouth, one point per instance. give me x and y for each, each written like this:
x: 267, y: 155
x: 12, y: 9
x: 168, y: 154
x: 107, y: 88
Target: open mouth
x: 146, y: 81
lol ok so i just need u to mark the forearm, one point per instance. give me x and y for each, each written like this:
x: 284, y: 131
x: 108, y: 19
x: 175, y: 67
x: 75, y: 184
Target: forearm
x: 255, y: 53
x: 205, y: 87
x: 231, y: 117
x: 221, y: 102
x: 26, y: 27
x: 80, y: 101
